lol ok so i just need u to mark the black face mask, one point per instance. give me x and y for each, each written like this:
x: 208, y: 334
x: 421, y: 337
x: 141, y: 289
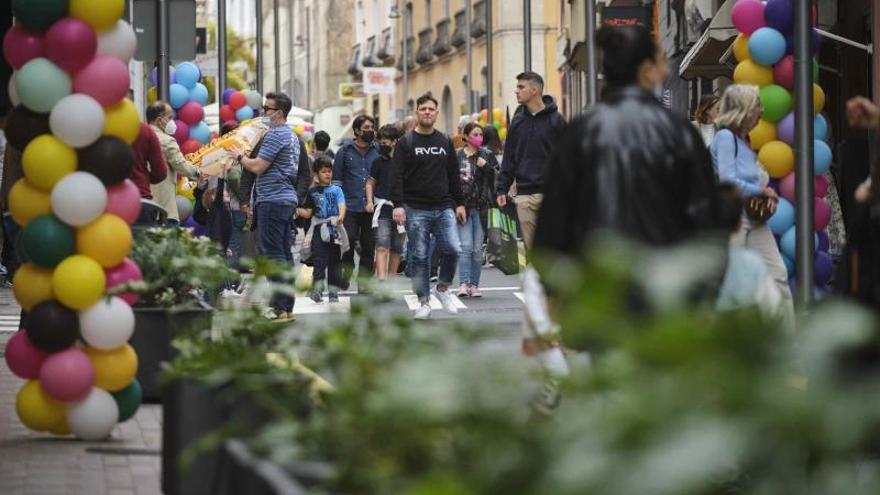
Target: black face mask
x: 385, y: 149
x: 368, y: 136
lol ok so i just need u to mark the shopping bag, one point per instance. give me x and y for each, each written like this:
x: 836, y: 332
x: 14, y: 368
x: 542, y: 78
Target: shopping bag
x: 502, y: 249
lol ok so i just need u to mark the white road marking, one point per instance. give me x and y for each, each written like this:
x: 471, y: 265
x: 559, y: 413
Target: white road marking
x: 305, y: 306
x: 413, y: 302
x: 520, y: 296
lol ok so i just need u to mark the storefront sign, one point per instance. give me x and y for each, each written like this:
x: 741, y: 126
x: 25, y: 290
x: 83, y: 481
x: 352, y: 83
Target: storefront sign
x: 351, y: 91
x: 379, y: 80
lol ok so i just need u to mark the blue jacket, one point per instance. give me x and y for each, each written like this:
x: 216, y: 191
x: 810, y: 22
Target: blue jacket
x: 350, y: 172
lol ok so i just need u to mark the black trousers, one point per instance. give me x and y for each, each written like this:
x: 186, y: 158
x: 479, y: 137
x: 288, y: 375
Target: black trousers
x: 359, y: 227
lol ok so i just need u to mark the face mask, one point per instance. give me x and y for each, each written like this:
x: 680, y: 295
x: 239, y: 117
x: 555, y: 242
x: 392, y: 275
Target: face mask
x: 385, y: 149
x: 368, y: 136
x: 171, y: 127
x: 658, y: 92
x: 267, y: 121
x: 475, y: 141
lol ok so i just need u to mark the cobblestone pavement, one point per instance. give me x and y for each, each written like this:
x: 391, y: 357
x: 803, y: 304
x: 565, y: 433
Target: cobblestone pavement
x: 41, y: 464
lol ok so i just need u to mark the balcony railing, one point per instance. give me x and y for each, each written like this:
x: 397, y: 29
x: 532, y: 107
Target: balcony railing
x: 441, y: 44
x: 424, y: 55
x: 386, y: 50
x: 354, y: 67
x: 410, y: 59
x: 370, y: 57
x: 478, y: 21
x: 459, y: 36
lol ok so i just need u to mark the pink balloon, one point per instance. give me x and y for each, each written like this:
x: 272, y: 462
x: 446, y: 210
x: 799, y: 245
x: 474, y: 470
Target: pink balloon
x: 124, y: 201
x: 182, y: 132
x: 822, y: 214
x: 20, y: 46
x: 192, y: 113
x: 67, y: 375
x: 820, y: 186
x: 104, y: 79
x: 787, y: 187
x: 71, y: 44
x: 125, y: 272
x: 783, y: 73
x: 748, y: 16
x: 23, y: 359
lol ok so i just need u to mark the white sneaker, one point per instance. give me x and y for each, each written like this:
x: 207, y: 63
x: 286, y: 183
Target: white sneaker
x: 423, y: 313
x: 446, y: 300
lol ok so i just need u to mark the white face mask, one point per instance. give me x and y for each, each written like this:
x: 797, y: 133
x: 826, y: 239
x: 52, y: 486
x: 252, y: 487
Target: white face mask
x: 171, y: 127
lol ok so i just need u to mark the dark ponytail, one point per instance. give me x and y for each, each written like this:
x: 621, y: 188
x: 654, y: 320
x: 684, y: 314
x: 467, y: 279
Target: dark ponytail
x: 623, y: 51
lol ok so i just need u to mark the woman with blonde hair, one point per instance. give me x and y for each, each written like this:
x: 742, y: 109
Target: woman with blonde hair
x: 735, y: 162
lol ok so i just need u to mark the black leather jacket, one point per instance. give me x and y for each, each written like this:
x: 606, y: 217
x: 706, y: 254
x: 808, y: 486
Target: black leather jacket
x: 632, y: 167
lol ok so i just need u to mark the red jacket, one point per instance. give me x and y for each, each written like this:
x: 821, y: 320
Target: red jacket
x: 150, y: 166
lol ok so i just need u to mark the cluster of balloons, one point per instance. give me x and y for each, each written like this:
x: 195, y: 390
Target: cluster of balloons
x: 239, y: 106
x: 74, y: 206
x: 764, y: 51
x: 188, y: 97
x: 305, y: 131
x: 497, y: 120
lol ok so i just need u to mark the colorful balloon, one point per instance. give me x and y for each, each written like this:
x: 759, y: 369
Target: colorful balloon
x: 199, y: 94
x: 31, y: 285
x: 79, y: 198
x: 67, y: 375
x: 184, y: 208
x: 20, y: 46
x: 71, y: 44
x: 748, y: 16
x: 114, y: 369
x: 188, y: 74
x: 783, y: 218
x: 776, y: 101
x: 125, y: 272
x: 47, y: 240
x: 36, y: 409
x: 821, y: 214
x: 77, y: 120
x: 107, y: 240
x: 227, y: 113
x: 228, y: 94
x: 38, y: 15
x: 818, y: 99
x: 24, y: 360
x: 51, y: 326
x: 23, y: 126
x: 100, y: 14
x: 749, y: 72
x: 123, y: 121
x: 783, y: 73
x: 820, y: 128
x: 244, y: 113
x: 741, y: 48
x: 128, y: 400
x: 78, y: 281
x: 190, y: 146
x: 824, y: 269
x: 779, y: 15
x: 40, y: 84
x: 46, y: 160
x: 109, y: 158
x: 766, y: 46
x: 105, y: 79
x: 822, y: 157
x: 192, y: 113
x: 108, y: 324
x: 200, y: 132
x: 182, y: 132
x: 27, y: 202
x: 118, y: 41
x: 777, y: 158
x: 94, y: 417
x: 237, y: 100
x: 124, y: 201
x: 763, y: 133
x: 254, y: 99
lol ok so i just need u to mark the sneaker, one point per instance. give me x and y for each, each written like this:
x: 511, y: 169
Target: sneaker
x: 317, y: 297
x: 423, y: 313
x: 333, y: 298
x: 463, y: 291
x: 446, y: 300
x: 474, y: 291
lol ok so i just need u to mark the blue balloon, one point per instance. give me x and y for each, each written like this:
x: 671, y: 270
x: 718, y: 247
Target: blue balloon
x: 789, y: 265
x: 200, y: 132
x: 177, y: 96
x: 188, y: 74
x: 199, y: 94
x: 779, y: 15
x: 820, y: 128
x: 821, y: 157
x: 766, y: 45
x: 788, y: 243
x: 244, y: 113
x: 824, y: 269
x: 783, y: 218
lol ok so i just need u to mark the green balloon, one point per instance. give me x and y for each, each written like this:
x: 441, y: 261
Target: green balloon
x: 19, y: 249
x: 776, y: 101
x: 128, y: 400
x: 38, y: 15
x: 497, y: 124
x: 40, y: 84
x: 47, y: 241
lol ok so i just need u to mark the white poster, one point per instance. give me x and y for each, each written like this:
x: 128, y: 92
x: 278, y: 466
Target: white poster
x: 379, y: 80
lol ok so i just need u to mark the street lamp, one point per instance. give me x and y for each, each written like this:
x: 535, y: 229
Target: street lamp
x: 394, y: 14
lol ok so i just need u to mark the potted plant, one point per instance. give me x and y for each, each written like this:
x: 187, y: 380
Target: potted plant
x: 180, y: 271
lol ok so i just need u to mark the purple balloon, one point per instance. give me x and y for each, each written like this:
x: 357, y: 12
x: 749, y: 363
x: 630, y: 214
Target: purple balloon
x: 824, y: 269
x: 779, y: 15
x: 789, y: 43
x: 824, y: 242
x: 785, y: 129
x: 182, y: 132
x: 154, y: 75
x: 774, y: 183
x: 227, y: 94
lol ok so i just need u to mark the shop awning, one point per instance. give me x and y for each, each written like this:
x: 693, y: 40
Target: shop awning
x: 704, y: 58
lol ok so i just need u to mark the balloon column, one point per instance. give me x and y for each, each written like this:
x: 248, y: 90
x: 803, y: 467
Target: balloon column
x: 74, y: 206
x: 497, y: 120
x: 764, y: 52
x: 239, y: 106
x: 188, y: 97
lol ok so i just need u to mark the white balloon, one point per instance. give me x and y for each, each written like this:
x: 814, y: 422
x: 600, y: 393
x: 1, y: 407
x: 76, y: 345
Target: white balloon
x: 78, y: 198
x: 13, y: 94
x: 108, y: 324
x: 184, y: 208
x: 94, y: 417
x: 118, y: 41
x: 254, y: 99
x: 77, y: 120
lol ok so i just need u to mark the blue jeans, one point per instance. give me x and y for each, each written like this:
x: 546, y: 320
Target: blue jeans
x: 420, y: 224
x: 327, y: 260
x: 273, y: 232
x: 470, y: 264
x: 239, y: 219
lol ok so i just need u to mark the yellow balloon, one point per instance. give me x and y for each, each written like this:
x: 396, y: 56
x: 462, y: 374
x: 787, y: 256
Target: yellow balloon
x: 749, y: 72
x: 818, y: 98
x: 741, y: 48
x: 46, y: 160
x: 497, y: 114
x: 36, y: 410
x: 114, y: 369
x: 122, y: 120
x: 100, y: 14
x: 777, y: 158
x: 27, y: 202
x: 762, y: 134
x: 78, y: 282
x: 31, y: 285
x: 61, y: 429
x: 107, y: 240
x: 299, y: 130
x: 502, y: 133
x: 152, y: 95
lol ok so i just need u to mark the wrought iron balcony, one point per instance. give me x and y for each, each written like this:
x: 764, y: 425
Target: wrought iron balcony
x: 386, y: 50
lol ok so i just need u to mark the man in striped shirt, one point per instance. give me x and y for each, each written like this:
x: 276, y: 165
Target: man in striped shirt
x: 275, y: 191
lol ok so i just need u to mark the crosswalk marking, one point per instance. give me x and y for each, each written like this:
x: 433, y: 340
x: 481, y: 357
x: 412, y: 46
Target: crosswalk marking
x: 520, y: 296
x: 412, y: 301
x: 9, y: 323
x: 305, y: 306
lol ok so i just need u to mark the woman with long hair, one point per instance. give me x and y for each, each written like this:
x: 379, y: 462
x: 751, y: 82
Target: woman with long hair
x: 704, y: 117
x: 492, y: 142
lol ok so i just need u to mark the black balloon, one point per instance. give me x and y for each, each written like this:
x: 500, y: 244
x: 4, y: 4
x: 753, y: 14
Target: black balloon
x: 109, y: 158
x: 22, y: 126
x: 51, y: 326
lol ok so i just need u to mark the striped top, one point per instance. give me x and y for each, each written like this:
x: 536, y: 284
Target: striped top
x: 278, y: 183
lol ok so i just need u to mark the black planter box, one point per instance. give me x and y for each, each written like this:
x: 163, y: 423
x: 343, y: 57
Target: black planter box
x: 154, y: 328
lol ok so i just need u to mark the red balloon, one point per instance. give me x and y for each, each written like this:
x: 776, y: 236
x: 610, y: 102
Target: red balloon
x: 783, y: 73
x: 190, y: 146
x: 821, y: 214
x: 71, y: 44
x: 226, y: 113
x: 820, y: 186
x: 182, y: 132
x: 23, y: 358
x: 192, y: 113
x: 122, y: 273
x: 237, y: 100
x: 20, y: 46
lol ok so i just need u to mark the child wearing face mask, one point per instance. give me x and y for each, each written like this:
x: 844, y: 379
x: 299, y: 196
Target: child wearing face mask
x: 388, y: 237
x: 477, y: 167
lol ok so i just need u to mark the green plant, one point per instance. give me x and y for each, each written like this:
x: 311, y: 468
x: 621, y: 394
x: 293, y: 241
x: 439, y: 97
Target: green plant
x: 178, y: 268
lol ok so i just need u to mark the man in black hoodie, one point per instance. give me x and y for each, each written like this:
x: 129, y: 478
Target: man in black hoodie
x: 425, y: 189
x: 535, y: 129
